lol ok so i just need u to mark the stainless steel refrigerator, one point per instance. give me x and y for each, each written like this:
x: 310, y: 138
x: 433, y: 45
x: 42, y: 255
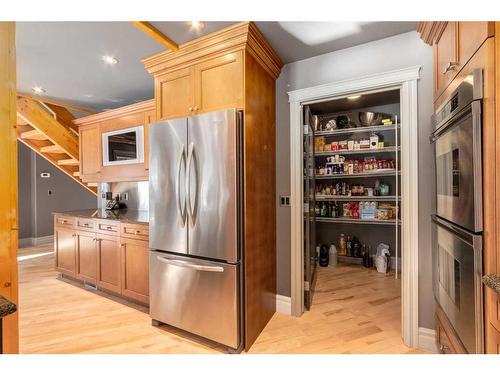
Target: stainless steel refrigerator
x: 195, y: 225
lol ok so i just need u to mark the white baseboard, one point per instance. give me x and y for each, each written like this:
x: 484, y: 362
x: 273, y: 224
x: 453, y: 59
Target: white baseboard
x: 283, y: 304
x: 35, y: 241
x: 43, y: 240
x: 426, y: 339
x: 25, y: 242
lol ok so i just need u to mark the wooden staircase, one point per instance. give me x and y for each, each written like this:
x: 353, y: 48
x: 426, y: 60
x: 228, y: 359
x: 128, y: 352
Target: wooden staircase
x: 48, y: 129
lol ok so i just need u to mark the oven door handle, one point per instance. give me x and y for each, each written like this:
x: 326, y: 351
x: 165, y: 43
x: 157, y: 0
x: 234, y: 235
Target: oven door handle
x: 453, y: 121
x: 478, y: 165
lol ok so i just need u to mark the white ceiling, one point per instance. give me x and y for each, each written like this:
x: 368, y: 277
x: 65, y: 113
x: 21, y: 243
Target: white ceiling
x: 65, y: 57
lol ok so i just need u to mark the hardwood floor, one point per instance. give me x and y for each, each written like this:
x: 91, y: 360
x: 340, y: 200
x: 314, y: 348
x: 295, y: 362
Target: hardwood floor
x: 354, y: 311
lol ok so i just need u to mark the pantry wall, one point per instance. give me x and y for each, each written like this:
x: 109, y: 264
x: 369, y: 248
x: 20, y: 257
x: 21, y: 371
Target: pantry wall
x: 352, y: 184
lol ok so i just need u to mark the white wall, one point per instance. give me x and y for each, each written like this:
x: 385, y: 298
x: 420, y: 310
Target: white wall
x: 392, y: 53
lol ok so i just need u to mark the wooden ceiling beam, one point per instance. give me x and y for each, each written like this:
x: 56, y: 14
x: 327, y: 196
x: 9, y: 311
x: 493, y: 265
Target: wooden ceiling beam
x: 155, y: 34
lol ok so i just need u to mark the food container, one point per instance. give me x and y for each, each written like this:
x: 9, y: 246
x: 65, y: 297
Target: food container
x: 383, y: 214
x: 364, y: 144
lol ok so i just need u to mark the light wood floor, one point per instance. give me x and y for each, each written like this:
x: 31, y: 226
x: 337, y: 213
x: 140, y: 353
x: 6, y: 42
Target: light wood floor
x: 354, y: 311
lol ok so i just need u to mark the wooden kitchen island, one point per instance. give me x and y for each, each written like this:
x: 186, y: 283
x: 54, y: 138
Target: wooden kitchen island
x: 107, y: 250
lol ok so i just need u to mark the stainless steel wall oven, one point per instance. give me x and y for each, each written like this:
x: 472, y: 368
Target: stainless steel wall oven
x: 458, y: 223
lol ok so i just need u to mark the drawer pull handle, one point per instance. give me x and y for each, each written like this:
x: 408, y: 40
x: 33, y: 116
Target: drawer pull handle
x: 197, y: 267
x: 86, y: 224
x: 137, y: 232
x: 451, y: 66
x: 109, y: 227
x: 7, y: 284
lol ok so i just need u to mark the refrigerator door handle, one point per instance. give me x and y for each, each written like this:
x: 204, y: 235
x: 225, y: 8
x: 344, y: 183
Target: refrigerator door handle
x: 182, y: 263
x: 191, y: 205
x: 181, y: 208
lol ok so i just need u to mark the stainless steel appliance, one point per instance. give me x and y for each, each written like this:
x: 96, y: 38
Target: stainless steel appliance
x: 195, y: 225
x: 457, y: 259
x: 458, y: 223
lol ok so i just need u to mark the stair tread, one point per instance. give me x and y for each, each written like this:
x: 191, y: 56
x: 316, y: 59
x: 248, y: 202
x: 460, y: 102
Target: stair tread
x: 54, y: 149
x: 68, y: 162
x: 33, y: 134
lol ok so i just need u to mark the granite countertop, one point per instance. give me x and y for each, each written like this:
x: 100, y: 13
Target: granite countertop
x: 493, y: 282
x: 132, y: 216
x: 6, y: 307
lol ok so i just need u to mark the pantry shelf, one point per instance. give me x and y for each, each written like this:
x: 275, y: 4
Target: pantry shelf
x: 381, y: 173
x: 356, y: 198
x: 366, y: 129
x: 345, y: 220
x: 357, y: 152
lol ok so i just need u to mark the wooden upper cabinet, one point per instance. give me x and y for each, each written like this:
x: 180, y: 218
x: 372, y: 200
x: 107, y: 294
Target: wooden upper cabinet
x: 210, y: 85
x: 446, y: 59
x: 454, y: 44
x: 219, y: 83
x: 86, y: 253
x: 90, y: 153
x: 470, y: 37
x: 91, y: 129
x: 175, y: 93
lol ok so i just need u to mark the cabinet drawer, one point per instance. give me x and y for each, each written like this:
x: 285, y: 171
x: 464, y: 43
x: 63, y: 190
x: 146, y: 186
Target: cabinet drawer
x: 108, y: 227
x: 135, y: 231
x: 65, y: 221
x: 85, y: 224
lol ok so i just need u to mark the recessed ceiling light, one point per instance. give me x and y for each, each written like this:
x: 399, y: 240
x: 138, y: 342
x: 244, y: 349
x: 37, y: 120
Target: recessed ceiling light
x: 110, y: 60
x: 354, y: 97
x: 38, y: 90
x: 197, y: 25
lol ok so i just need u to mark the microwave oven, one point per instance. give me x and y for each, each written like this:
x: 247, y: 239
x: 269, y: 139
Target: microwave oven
x: 123, y: 146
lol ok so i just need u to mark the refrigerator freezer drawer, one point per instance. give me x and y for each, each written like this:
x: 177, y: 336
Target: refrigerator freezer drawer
x: 195, y: 295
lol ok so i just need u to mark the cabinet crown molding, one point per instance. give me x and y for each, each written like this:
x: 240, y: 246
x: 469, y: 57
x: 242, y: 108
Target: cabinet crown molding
x: 241, y: 36
x: 147, y: 105
x: 430, y: 32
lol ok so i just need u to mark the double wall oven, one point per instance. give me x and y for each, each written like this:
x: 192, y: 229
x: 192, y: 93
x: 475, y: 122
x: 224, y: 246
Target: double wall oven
x: 458, y: 222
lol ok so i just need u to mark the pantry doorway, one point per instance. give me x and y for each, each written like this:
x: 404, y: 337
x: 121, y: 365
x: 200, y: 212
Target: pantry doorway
x: 356, y: 141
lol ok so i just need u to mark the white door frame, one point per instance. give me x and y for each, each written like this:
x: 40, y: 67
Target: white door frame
x: 406, y: 81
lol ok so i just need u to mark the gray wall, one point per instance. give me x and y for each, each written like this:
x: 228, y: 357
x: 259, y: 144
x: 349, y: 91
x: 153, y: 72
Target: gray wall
x: 35, y: 205
x: 400, y: 51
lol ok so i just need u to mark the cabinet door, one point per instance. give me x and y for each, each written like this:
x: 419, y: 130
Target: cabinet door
x: 493, y: 342
x: 446, y: 60
x: 108, y: 263
x: 174, y: 92
x: 90, y: 153
x: 64, y: 243
x: 219, y: 83
x: 86, y: 251
x: 135, y: 270
x: 470, y: 37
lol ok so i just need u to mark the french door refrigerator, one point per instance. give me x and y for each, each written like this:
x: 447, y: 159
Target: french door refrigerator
x: 195, y: 224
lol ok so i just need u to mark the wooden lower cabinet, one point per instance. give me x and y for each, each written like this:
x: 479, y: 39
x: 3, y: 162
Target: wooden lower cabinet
x: 65, y: 250
x: 109, y: 263
x: 86, y: 252
x: 100, y: 254
x: 447, y: 340
x: 135, y: 269
x: 493, y: 341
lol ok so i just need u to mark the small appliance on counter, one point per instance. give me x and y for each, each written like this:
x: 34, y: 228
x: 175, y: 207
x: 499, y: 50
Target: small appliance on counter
x: 113, y: 204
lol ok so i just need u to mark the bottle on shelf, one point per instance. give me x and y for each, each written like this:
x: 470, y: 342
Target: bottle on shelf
x: 348, y: 246
x: 342, y: 245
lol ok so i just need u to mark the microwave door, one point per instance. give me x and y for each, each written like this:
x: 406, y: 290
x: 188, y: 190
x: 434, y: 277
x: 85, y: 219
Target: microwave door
x: 212, y: 180
x: 167, y: 191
